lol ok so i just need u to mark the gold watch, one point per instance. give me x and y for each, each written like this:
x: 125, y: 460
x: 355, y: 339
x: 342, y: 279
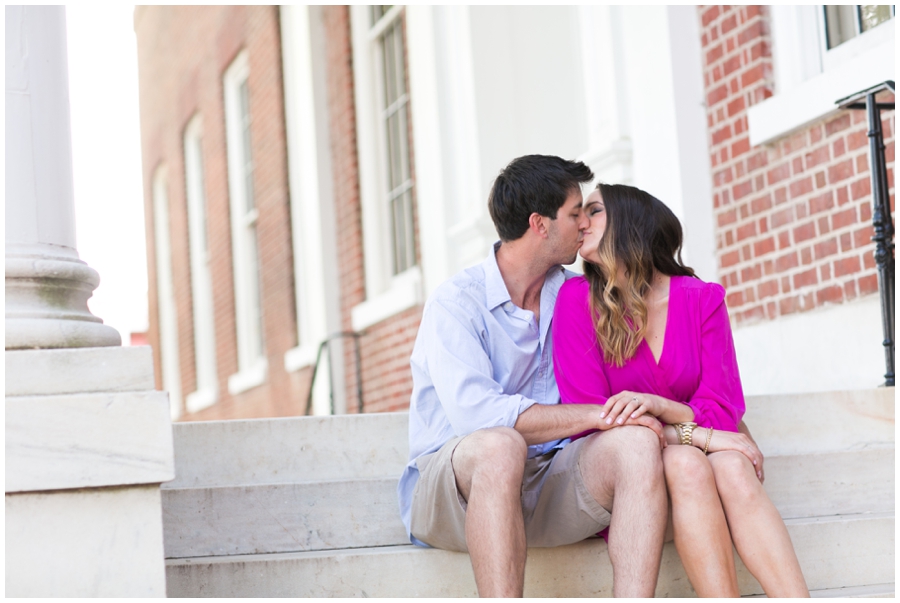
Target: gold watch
x: 685, y: 432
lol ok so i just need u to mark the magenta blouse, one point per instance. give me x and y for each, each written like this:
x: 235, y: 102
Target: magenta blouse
x: 698, y: 365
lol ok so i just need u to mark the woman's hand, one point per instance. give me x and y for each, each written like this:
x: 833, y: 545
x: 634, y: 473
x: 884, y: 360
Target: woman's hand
x: 644, y: 420
x: 728, y: 440
x: 630, y: 405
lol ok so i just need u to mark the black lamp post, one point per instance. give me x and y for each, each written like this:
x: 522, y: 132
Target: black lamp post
x: 881, y: 210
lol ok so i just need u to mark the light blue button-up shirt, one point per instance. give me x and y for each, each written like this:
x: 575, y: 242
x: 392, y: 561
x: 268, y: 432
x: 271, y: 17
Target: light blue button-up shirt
x: 479, y: 361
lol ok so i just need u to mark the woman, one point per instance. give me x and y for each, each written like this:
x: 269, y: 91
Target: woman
x: 640, y: 333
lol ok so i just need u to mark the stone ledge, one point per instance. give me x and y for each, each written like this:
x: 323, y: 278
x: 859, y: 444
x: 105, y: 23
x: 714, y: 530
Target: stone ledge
x: 87, y: 440
x: 78, y: 370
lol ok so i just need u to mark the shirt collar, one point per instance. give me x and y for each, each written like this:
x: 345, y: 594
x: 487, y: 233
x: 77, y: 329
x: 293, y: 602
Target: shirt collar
x: 497, y: 293
x: 495, y: 288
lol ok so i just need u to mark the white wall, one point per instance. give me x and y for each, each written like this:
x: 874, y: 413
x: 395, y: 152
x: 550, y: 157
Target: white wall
x: 831, y: 348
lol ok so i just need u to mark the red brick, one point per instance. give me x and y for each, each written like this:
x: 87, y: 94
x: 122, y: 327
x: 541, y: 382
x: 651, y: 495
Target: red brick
x: 754, y: 74
x: 782, y: 217
x: 714, y: 54
x: 817, y: 156
x: 778, y: 173
x: 843, y: 218
x: 820, y: 180
x: 861, y: 188
x: 806, y: 256
x: 751, y: 273
x: 787, y: 261
x: 742, y: 189
x: 846, y: 266
x: 767, y: 289
x: 842, y: 197
x: 784, y: 239
x: 728, y: 24
x: 839, y: 147
x: 801, y: 187
x: 722, y: 177
x: 780, y: 195
x: 740, y: 147
x: 856, y: 140
x: 734, y: 300
x: 863, y: 236
x: 730, y: 259
x: 736, y: 106
x: 759, y: 50
x: 728, y: 217
x: 717, y: 95
x: 789, y: 305
x: 865, y: 212
x: 746, y: 231
x: 823, y: 202
x: 757, y: 161
x: 826, y: 248
x: 850, y: 290
x: 815, y: 134
x: 837, y: 125
x: 840, y: 171
x: 721, y: 135
x: 825, y: 272
x: 805, y: 279
x: 731, y: 65
x: 833, y: 294
x: 764, y: 246
x: 757, y: 30
x: 709, y: 15
x: 846, y: 242
x: 868, y: 284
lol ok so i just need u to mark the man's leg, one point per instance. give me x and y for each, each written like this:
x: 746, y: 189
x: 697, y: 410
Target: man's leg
x: 622, y: 469
x: 489, y: 465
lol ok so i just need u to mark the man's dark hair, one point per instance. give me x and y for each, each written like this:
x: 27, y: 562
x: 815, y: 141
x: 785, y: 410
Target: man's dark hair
x: 533, y: 184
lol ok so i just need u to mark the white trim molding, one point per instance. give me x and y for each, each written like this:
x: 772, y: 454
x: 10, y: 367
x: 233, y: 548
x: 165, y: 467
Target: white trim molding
x: 165, y: 291
x: 203, y: 313
x: 386, y: 294
x: 252, y: 364
x: 855, y: 65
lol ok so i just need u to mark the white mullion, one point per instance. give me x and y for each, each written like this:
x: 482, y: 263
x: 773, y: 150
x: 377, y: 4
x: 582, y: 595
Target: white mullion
x: 201, y: 281
x: 248, y: 313
x: 386, y: 20
x: 167, y: 311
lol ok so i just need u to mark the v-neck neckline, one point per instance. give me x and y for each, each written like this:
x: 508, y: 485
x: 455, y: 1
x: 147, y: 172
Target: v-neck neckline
x: 658, y: 362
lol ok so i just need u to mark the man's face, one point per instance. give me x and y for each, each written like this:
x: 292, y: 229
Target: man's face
x: 566, y: 232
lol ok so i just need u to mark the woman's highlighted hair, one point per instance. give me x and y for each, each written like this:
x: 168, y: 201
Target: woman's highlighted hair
x: 641, y: 235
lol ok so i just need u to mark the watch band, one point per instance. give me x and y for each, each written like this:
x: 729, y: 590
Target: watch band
x: 685, y: 432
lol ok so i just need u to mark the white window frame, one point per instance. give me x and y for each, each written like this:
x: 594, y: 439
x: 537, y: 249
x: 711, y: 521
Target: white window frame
x: 165, y: 292
x: 252, y: 364
x: 207, y: 392
x: 809, y: 78
x: 386, y: 294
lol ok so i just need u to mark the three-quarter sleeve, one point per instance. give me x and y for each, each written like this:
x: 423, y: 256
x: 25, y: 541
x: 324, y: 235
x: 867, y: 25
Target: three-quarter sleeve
x: 577, y: 361
x: 719, y: 398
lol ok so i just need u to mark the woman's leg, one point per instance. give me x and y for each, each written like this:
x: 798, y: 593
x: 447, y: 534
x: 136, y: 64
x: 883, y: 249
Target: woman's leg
x: 701, y: 532
x: 759, y: 533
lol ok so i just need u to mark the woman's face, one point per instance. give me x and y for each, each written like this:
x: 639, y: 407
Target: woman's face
x: 596, y: 213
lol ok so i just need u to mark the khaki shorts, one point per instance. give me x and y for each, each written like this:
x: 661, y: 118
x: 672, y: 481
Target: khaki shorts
x: 556, y: 505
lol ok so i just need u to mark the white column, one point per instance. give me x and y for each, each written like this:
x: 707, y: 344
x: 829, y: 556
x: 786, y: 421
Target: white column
x: 47, y: 286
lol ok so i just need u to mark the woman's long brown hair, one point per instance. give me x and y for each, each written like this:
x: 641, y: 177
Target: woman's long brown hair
x: 641, y: 235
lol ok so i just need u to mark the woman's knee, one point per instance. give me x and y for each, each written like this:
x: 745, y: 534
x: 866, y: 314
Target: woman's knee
x: 735, y: 476
x: 687, y: 470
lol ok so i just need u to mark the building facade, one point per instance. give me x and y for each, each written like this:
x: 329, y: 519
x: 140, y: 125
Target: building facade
x: 313, y: 173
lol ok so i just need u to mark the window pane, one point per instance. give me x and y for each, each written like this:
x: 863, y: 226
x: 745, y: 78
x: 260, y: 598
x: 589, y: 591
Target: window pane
x: 400, y: 59
x: 247, y: 156
x: 378, y: 12
x: 840, y: 24
x: 870, y: 16
x: 255, y: 340
x: 394, y: 174
x: 403, y: 139
x: 390, y: 72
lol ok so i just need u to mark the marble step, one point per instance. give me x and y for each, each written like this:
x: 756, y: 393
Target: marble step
x: 873, y: 591
x: 336, y: 514
x: 842, y: 552
x: 271, y: 451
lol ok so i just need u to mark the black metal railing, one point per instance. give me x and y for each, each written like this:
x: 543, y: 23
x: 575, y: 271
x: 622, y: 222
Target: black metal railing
x: 882, y: 221
x: 312, y: 382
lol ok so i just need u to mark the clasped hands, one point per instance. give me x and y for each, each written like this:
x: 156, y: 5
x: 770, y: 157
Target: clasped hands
x: 635, y: 408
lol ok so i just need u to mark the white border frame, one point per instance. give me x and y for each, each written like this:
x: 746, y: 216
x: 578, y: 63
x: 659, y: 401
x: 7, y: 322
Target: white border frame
x: 251, y: 371
x: 386, y: 295
x: 203, y: 311
x: 165, y: 292
x: 864, y: 61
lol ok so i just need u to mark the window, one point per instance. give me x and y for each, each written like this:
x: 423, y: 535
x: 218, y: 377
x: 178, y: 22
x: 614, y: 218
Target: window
x: 393, y: 278
x: 165, y: 292
x: 843, y: 22
x: 244, y: 215
x: 387, y: 28
x: 201, y: 281
x: 821, y: 54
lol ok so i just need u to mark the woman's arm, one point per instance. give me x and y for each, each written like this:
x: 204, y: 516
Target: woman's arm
x: 722, y: 440
x: 628, y: 404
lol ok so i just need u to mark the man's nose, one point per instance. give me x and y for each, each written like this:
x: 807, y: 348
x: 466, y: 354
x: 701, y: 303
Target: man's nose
x: 584, y: 223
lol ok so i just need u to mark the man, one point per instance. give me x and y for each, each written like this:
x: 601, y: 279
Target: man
x: 491, y: 467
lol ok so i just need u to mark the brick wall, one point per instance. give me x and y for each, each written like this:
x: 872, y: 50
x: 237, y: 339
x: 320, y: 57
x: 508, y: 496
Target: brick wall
x: 183, y: 53
x: 793, y: 218
x: 386, y: 346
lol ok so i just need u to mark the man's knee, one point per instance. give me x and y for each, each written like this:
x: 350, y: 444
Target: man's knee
x: 498, y: 453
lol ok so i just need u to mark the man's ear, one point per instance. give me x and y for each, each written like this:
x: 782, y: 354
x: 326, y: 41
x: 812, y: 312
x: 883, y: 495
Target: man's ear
x: 538, y: 225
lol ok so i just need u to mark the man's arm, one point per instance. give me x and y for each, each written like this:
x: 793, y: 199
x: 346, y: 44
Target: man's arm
x: 545, y: 422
